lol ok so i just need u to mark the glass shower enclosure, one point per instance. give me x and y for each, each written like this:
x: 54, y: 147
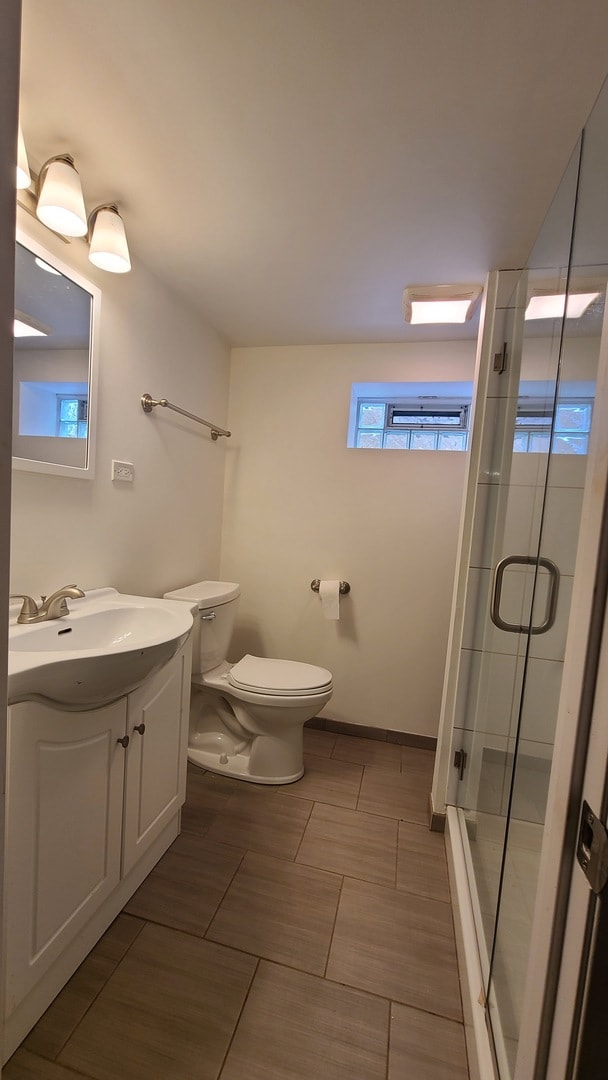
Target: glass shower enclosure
x: 533, y: 428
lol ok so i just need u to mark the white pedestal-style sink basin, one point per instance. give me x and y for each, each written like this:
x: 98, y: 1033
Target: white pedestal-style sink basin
x: 107, y: 645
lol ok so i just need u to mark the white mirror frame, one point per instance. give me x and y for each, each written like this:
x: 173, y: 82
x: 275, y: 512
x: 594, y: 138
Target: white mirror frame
x: 52, y: 468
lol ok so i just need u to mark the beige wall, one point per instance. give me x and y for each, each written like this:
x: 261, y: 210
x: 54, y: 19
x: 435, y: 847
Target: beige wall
x: 164, y: 528
x: 300, y: 505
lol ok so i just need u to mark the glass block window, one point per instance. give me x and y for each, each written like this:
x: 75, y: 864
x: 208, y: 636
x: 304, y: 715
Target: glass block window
x: 411, y: 425
x: 72, y: 417
x: 533, y: 433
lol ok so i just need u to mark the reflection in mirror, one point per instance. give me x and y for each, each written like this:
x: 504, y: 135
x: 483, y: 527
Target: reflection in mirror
x: 53, y: 365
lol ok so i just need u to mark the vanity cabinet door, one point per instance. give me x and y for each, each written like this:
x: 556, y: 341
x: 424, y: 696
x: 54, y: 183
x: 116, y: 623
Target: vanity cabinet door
x: 155, y: 781
x: 65, y: 779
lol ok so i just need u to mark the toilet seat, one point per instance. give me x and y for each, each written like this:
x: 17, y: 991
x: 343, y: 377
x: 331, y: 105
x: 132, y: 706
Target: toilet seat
x: 281, y: 678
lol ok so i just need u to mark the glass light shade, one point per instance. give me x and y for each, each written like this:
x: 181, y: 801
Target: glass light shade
x: 440, y: 311
x: 60, y: 202
x: 108, y: 245
x: 24, y: 178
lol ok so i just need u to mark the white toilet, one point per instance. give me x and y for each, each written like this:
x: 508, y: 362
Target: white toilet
x: 246, y: 719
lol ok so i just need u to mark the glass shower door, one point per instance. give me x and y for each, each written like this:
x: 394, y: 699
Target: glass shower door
x: 575, y: 337
x: 516, y: 613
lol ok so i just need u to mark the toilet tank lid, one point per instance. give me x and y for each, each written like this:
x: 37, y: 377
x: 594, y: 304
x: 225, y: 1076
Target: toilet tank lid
x: 206, y: 593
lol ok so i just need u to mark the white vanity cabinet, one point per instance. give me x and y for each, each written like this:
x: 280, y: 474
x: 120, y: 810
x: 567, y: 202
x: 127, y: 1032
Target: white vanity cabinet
x: 155, y: 768
x: 93, y: 800
x: 64, y: 824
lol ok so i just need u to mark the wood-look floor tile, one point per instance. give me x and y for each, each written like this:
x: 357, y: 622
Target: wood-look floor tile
x: 394, y: 795
x: 326, y: 780
x: 349, y: 842
x: 299, y: 1027
x: 186, y: 885
x: 425, y: 1047
x: 416, y: 760
x: 26, y: 1066
x: 206, y: 795
x: 66, y: 1011
x: 320, y: 743
x: 421, y: 862
x: 168, y: 1011
x: 397, y: 945
x: 262, y: 822
x: 367, y: 752
x: 279, y: 910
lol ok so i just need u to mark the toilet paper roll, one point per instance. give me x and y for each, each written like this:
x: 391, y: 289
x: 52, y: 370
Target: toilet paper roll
x: 329, y: 591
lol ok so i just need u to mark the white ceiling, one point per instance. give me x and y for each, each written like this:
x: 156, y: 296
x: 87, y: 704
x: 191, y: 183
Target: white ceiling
x: 290, y: 165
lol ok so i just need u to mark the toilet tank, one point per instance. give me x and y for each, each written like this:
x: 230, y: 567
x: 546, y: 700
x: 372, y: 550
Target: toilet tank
x: 214, y: 605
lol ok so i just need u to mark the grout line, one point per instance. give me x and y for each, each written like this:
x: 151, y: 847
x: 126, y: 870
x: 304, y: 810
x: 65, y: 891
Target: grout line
x: 360, y: 786
x: 333, y: 928
x: 297, y: 852
x: 104, y: 984
x: 388, y: 1039
x: 223, y: 896
x: 69, y: 1069
x: 238, y: 1019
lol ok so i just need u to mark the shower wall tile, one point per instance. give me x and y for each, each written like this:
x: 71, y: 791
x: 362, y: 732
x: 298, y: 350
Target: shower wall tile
x: 561, y: 526
x: 543, y: 685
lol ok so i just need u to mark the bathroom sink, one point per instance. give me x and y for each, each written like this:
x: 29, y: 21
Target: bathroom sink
x: 107, y: 646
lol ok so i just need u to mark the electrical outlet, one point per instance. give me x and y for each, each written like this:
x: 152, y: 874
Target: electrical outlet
x: 123, y: 470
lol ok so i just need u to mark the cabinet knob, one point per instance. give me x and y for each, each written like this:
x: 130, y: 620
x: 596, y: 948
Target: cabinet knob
x: 124, y: 741
x: 140, y: 727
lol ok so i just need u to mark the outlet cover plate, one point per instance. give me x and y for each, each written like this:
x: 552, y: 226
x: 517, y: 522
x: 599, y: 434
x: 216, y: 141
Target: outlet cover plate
x: 123, y: 470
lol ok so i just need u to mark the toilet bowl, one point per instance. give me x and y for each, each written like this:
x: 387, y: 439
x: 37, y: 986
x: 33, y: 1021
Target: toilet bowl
x: 246, y: 719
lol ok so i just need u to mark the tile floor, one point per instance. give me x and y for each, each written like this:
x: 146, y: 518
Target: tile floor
x: 295, y: 933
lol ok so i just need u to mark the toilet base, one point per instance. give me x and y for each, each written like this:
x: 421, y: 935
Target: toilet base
x: 237, y: 766
x: 260, y: 759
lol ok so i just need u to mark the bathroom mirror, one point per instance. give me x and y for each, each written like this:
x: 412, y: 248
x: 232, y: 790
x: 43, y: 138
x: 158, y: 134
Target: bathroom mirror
x: 54, y: 364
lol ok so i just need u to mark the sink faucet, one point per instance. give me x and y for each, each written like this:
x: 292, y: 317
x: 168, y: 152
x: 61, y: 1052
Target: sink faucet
x: 52, y: 607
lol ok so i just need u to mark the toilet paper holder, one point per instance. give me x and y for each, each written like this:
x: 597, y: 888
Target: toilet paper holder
x: 344, y: 586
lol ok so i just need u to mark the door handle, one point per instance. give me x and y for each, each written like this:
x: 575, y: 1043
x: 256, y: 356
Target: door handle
x: 551, y: 610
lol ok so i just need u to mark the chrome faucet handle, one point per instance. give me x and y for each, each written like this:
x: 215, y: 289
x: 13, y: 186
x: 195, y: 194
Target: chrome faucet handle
x: 29, y: 608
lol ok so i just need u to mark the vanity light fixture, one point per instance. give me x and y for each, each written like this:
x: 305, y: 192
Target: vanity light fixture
x: 439, y: 303
x: 551, y: 305
x: 24, y: 177
x: 60, y: 203
x: 108, y: 247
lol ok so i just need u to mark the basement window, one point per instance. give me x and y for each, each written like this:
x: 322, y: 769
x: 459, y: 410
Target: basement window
x: 72, y: 417
x: 435, y: 416
x: 406, y: 417
x: 53, y: 410
x: 570, y: 435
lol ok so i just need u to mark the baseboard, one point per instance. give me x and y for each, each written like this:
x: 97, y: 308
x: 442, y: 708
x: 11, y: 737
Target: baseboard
x: 402, y: 738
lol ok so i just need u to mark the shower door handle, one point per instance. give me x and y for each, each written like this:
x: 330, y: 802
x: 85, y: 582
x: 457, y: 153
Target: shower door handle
x: 524, y: 560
